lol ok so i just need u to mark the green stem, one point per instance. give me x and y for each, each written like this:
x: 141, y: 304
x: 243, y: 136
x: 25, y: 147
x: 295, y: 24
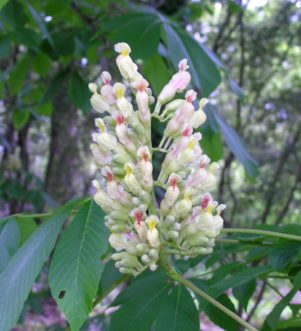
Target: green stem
x: 152, y: 206
x: 263, y: 232
x: 235, y: 241
x: 162, y: 150
x: 165, y: 263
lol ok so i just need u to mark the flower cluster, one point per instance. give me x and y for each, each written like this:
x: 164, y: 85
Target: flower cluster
x: 187, y: 220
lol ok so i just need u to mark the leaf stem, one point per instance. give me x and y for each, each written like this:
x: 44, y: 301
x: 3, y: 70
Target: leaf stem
x: 263, y: 232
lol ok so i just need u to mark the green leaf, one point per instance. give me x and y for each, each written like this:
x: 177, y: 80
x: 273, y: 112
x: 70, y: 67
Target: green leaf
x: 44, y: 109
x: 140, y: 30
x: 4, y: 46
x: 272, y: 319
x: 79, y: 93
x: 4, y: 258
x: 18, y: 74
x: 19, y: 275
x: 20, y: 118
x: 2, y: 3
x: 292, y: 324
x: 244, y: 292
x: 76, y: 266
x: 28, y: 38
x: 240, y: 278
x: 220, y: 318
x: 41, y: 64
x: 212, y: 144
x: 178, y: 312
x: 9, y: 242
x: 156, y: 72
x: 13, y: 14
x: 27, y: 227
x: 236, y: 145
x: 110, y: 276
x: 283, y: 253
x: 141, y: 303
x: 64, y: 43
x: 10, y: 237
x: 205, y: 75
x: 40, y: 23
x: 54, y: 87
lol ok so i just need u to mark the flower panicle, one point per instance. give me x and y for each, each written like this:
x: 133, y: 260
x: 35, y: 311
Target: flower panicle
x: 187, y: 220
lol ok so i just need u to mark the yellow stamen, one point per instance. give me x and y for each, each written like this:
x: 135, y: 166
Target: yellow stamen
x: 187, y: 196
x: 152, y: 224
x: 128, y: 169
x: 125, y: 52
x: 101, y: 126
x: 119, y: 93
x: 209, y: 209
x: 191, y: 144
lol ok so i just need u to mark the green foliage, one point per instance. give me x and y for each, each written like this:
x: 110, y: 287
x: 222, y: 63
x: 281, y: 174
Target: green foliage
x: 18, y: 74
x: 18, y: 276
x: 244, y: 292
x: 220, y: 318
x: 79, y: 93
x: 156, y: 72
x: 76, y: 267
x: 9, y: 242
x: 20, y: 118
x: 234, y: 142
x: 140, y: 30
x: 42, y: 60
x: 178, y: 312
x: 141, y: 303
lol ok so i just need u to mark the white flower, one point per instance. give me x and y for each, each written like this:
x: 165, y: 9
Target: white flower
x: 187, y: 219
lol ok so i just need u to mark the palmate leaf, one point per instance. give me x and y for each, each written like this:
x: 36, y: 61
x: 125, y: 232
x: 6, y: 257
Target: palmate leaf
x: 17, y: 278
x: 178, y: 312
x: 76, y: 267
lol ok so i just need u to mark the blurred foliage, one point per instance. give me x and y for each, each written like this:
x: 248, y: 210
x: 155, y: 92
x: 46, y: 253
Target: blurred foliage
x: 243, y: 56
